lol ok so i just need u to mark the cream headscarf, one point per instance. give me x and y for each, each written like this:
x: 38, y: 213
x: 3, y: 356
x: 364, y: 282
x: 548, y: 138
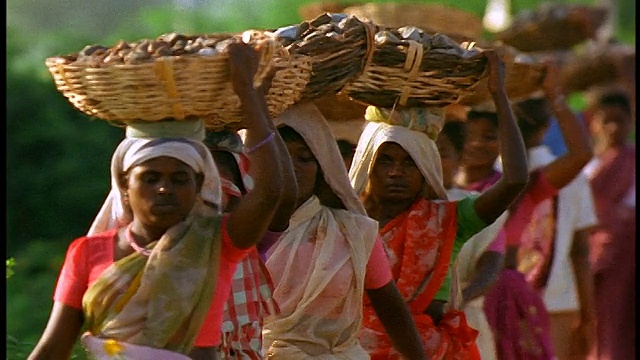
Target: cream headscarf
x: 142, y: 143
x: 413, y: 129
x: 307, y: 121
x: 313, y: 322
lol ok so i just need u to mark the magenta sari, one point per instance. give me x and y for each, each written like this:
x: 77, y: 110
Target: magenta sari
x: 513, y: 306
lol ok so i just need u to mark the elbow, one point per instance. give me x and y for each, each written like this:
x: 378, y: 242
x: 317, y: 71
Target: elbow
x: 517, y: 182
x: 516, y: 176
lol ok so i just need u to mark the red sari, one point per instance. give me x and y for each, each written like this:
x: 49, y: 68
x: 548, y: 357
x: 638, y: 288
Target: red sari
x: 419, y: 243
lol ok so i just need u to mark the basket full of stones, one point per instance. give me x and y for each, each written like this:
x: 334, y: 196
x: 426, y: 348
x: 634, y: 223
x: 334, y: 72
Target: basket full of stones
x: 174, y: 77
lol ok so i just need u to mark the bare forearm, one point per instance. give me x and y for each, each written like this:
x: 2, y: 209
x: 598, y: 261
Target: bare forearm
x: 257, y: 206
x: 574, y: 133
x: 512, y: 149
x: 397, y: 321
x: 287, y: 203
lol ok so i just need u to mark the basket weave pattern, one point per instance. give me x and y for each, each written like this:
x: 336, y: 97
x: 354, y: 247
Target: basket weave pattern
x: 177, y: 87
x: 337, y: 45
x: 434, y: 71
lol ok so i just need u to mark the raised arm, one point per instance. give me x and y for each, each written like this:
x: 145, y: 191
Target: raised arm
x: 495, y: 200
x: 565, y: 168
x: 257, y: 207
x: 287, y: 204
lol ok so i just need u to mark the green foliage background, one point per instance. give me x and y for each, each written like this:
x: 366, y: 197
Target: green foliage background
x: 58, y: 158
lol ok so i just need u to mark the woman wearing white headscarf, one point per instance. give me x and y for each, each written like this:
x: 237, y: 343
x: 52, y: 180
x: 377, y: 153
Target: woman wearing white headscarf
x: 150, y: 279
x: 328, y: 257
x: 397, y: 172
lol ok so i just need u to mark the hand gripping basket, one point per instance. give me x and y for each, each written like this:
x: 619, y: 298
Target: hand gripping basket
x: 174, y: 77
x: 523, y: 76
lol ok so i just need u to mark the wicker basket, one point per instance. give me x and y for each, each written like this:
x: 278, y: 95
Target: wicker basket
x: 432, y: 18
x: 597, y: 67
x: 523, y: 76
x: 553, y: 27
x: 176, y: 87
x: 337, y: 45
x: 401, y: 71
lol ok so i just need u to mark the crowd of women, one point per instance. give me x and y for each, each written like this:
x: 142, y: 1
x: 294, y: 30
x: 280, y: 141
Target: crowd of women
x: 443, y: 239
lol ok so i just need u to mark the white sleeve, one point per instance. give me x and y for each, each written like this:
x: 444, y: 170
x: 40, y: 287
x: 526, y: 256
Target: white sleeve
x: 585, y: 212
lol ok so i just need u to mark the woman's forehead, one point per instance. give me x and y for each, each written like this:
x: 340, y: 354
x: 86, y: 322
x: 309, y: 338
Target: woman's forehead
x: 163, y: 163
x: 392, y: 147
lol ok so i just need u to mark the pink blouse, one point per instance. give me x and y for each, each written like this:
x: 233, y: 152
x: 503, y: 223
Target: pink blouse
x: 538, y: 190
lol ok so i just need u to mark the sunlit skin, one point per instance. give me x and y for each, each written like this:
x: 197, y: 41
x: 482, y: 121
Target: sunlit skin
x: 395, y: 176
x: 161, y: 192
x: 482, y: 147
x: 305, y: 167
x: 611, y: 126
x: 394, y: 184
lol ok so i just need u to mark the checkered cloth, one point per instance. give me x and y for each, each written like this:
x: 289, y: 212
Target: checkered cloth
x: 251, y: 297
x: 250, y: 301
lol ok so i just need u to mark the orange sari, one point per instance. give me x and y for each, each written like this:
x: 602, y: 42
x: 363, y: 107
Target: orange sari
x: 419, y: 243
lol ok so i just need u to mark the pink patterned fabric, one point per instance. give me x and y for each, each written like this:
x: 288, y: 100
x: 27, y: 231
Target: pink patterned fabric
x: 519, y: 319
x: 514, y: 308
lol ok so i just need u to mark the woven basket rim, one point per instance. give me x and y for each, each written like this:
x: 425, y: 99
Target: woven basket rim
x: 190, y: 86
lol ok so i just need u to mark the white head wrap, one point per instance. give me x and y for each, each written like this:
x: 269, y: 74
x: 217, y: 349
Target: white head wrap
x: 307, y: 121
x: 133, y: 151
x: 418, y: 144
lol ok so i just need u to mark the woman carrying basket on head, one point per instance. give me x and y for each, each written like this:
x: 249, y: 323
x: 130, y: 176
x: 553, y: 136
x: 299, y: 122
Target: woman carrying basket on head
x: 150, y: 279
x: 398, y: 173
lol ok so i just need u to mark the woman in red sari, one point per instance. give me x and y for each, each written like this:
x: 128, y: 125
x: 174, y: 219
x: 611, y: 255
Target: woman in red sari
x: 397, y: 171
x: 612, y: 177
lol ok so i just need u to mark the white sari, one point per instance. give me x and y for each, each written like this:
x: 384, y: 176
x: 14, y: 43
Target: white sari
x: 319, y: 264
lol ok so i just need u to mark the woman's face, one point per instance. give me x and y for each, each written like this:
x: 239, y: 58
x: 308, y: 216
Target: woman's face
x: 610, y: 124
x: 162, y: 191
x: 305, y: 167
x: 481, y: 146
x: 395, y: 176
x: 450, y: 158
